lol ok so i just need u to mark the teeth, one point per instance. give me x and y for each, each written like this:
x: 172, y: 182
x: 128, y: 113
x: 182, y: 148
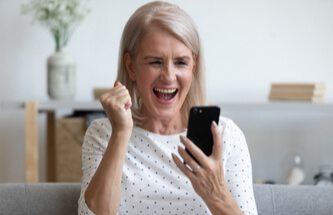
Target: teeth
x: 169, y: 91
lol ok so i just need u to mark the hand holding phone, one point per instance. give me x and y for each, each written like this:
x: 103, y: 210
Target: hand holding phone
x: 199, y: 127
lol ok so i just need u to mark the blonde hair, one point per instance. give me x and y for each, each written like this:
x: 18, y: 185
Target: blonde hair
x: 176, y: 21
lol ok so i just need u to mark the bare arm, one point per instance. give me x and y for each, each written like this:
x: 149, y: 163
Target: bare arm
x: 104, y: 191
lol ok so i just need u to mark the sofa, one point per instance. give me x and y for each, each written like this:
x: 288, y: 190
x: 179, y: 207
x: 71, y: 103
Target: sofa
x: 62, y: 198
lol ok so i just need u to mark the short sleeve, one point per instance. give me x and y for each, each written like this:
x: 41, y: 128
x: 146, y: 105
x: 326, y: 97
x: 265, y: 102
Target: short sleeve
x: 237, y: 166
x: 93, y: 148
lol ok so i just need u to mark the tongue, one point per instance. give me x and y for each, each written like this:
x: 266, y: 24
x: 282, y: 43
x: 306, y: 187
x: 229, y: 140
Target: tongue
x: 165, y: 96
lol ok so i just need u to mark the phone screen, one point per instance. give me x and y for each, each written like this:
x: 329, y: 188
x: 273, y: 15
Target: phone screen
x: 199, y: 127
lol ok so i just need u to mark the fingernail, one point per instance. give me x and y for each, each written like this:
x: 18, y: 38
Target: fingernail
x: 214, y: 123
x: 174, y: 158
x: 127, y: 105
x: 179, y: 148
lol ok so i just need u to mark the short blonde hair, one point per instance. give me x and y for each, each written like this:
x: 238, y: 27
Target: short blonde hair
x: 176, y: 21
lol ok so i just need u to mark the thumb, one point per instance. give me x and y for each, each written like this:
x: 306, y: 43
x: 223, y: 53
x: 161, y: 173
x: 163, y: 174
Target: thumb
x: 217, y: 147
x: 117, y: 83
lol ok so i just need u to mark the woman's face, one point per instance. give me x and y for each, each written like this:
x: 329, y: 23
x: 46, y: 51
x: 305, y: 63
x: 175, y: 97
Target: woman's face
x: 162, y: 69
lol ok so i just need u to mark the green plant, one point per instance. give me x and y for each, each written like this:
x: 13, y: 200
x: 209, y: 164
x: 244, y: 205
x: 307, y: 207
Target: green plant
x: 61, y: 17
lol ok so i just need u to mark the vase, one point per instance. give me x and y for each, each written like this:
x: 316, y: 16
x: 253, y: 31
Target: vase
x: 61, y: 76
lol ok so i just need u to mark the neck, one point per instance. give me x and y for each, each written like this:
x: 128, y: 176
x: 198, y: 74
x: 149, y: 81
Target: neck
x: 164, y: 126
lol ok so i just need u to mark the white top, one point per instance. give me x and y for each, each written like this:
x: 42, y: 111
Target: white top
x: 152, y: 183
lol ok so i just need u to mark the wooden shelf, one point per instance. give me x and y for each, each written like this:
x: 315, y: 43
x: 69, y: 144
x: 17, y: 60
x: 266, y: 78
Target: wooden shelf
x: 75, y: 105
x: 293, y: 107
x: 32, y: 108
x: 45, y: 106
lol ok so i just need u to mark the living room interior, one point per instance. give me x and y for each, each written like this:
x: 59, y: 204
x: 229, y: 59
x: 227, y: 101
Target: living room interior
x: 251, y: 49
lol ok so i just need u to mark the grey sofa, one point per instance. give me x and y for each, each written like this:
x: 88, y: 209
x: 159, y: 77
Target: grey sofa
x: 59, y: 198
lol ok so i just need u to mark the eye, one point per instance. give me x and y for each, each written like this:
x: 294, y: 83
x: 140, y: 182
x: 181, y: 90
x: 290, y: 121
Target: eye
x: 156, y: 62
x: 181, y: 63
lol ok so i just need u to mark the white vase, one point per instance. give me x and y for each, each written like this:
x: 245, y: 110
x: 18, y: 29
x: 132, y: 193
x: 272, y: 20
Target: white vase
x: 61, y: 76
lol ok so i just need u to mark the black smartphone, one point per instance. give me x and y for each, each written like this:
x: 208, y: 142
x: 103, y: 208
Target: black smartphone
x: 199, y: 127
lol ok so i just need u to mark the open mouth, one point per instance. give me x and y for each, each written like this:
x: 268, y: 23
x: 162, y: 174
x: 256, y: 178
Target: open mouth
x: 165, y: 94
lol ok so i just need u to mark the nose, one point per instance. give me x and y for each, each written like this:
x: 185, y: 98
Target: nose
x: 169, y: 73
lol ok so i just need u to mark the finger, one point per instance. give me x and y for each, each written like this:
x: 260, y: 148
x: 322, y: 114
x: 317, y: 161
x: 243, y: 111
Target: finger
x: 125, y: 100
x: 117, y: 83
x: 194, y: 150
x: 183, y: 167
x: 195, y: 167
x: 112, y: 92
x: 217, y: 147
x: 117, y: 89
x: 128, y: 105
x: 121, y: 94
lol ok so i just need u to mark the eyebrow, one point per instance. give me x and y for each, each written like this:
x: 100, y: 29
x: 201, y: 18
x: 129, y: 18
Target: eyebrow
x: 149, y: 57
x: 160, y: 58
x: 183, y: 58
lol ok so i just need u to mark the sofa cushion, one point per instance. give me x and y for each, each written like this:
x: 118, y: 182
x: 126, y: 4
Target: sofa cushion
x: 41, y: 198
x: 62, y: 198
x: 294, y: 200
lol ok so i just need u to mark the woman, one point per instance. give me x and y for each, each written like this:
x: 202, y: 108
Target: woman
x: 132, y: 161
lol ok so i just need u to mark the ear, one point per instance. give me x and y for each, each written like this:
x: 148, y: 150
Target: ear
x: 128, y: 63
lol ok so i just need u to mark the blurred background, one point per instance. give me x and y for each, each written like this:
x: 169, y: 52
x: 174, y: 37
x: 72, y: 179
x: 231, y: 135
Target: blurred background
x: 247, y: 45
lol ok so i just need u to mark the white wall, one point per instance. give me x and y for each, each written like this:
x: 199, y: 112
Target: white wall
x: 248, y: 45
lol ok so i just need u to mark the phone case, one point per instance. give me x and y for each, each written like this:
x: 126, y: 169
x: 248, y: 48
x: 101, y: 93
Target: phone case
x: 199, y: 127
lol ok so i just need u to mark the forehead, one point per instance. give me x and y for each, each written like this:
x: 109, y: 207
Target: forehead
x: 160, y: 42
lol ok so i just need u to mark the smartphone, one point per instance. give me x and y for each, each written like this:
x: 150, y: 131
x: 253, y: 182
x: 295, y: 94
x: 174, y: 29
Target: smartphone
x: 199, y: 127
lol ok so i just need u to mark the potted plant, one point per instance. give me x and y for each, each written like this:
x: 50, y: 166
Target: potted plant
x: 60, y: 17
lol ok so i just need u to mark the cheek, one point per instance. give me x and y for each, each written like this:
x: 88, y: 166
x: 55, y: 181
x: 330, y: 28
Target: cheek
x: 143, y: 78
x: 138, y: 73
x: 186, y: 80
x: 143, y: 85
